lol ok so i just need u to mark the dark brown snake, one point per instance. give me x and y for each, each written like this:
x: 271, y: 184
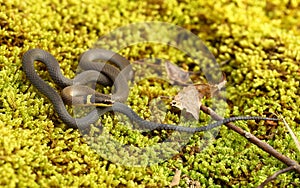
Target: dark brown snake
x: 74, y: 92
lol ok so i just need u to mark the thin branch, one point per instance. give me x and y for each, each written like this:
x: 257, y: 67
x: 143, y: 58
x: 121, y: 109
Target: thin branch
x: 250, y: 137
x: 294, y: 137
x: 274, y: 176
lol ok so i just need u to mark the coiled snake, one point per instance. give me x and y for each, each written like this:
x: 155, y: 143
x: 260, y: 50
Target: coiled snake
x: 75, y: 92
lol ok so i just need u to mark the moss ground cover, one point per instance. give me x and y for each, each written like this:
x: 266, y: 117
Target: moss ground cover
x: 258, y: 43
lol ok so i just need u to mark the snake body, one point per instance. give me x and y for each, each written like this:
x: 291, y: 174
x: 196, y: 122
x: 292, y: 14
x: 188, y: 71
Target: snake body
x: 103, y: 73
x: 106, y: 70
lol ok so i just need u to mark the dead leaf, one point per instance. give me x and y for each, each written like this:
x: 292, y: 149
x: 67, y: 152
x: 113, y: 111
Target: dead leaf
x: 192, y: 183
x: 210, y: 90
x: 176, y: 178
x: 188, y: 99
x: 204, y: 90
x: 176, y: 74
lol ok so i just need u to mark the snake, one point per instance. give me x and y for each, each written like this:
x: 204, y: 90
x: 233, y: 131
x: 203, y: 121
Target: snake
x: 96, y: 69
x: 108, y: 74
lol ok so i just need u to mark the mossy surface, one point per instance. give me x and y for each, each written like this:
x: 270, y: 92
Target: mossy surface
x: 257, y: 41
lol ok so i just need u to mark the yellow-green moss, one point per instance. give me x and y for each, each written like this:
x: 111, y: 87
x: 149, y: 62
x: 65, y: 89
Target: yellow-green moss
x: 259, y: 42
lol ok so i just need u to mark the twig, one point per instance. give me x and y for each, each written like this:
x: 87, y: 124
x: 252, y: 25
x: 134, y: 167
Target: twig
x: 275, y: 175
x: 294, y: 137
x: 264, y: 146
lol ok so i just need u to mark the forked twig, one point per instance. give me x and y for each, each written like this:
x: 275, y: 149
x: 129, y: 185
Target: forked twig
x: 250, y: 137
x: 274, y: 176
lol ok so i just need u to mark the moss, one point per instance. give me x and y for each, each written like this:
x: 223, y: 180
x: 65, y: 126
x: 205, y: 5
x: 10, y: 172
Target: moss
x: 258, y: 41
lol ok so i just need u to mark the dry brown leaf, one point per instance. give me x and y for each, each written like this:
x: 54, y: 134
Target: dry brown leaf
x: 209, y: 90
x: 176, y: 178
x: 176, y: 74
x: 204, y: 90
x: 188, y: 99
x: 191, y: 183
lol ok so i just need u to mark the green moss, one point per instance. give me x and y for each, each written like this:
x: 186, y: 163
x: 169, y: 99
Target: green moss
x: 259, y: 40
